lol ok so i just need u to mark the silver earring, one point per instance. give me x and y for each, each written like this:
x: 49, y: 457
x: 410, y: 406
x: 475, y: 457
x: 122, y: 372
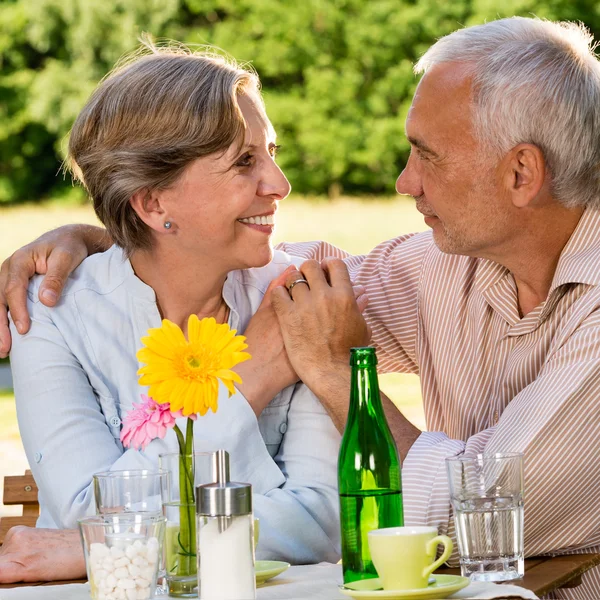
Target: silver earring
x: 168, y: 224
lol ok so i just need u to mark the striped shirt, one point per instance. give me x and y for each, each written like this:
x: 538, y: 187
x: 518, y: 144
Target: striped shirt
x: 494, y: 381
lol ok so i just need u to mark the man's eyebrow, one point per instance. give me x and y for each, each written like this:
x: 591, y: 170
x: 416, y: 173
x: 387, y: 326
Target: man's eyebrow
x: 421, y: 146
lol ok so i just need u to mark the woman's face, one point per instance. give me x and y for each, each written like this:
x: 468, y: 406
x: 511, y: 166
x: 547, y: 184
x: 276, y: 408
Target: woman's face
x: 224, y: 206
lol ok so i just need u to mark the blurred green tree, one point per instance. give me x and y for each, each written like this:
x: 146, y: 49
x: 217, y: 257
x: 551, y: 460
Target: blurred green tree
x: 337, y: 74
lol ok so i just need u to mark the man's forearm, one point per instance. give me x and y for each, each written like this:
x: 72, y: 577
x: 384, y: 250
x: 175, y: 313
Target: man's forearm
x: 96, y: 239
x: 333, y: 391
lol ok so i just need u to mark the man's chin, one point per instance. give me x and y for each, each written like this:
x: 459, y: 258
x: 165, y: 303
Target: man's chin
x: 445, y: 243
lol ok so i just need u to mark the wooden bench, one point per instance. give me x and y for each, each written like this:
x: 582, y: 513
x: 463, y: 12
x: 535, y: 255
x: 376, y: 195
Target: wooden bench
x: 20, y: 489
x: 544, y: 574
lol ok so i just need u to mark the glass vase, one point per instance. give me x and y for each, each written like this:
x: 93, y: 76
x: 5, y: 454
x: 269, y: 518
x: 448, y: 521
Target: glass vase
x: 186, y: 472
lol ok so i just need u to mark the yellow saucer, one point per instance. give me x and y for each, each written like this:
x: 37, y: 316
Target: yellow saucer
x: 370, y: 589
x: 267, y: 569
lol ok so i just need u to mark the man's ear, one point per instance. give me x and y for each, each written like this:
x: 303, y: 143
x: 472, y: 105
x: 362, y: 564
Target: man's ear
x: 525, y: 173
x: 147, y: 205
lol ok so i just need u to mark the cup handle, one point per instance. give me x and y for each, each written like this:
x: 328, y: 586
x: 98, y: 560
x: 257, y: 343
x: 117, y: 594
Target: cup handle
x: 431, y: 548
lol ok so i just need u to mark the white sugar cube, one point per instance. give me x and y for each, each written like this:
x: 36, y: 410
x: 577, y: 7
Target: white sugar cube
x: 143, y: 594
x: 121, y: 573
x: 99, y: 574
x: 147, y: 574
x: 139, y: 561
x: 131, y: 594
x: 142, y: 583
x: 126, y: 584
x: 121, y: 562
x: 134, y: 570
x: 111, y: 581
x: 152, y: 556
x: 108, y: 564
x: 116, y: 552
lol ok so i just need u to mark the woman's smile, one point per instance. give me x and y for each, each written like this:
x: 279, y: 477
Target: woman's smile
x: 264, y: 223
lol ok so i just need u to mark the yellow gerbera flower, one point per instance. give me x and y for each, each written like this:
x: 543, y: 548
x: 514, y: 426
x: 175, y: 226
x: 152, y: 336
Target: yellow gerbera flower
x: 186, y: 373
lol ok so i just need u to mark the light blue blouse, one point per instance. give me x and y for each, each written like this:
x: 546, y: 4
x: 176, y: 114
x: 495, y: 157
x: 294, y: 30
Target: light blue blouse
x: 75, y: 380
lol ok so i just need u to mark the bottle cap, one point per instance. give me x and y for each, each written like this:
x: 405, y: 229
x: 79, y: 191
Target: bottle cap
x: 224, y: 498
x: 363, y: 357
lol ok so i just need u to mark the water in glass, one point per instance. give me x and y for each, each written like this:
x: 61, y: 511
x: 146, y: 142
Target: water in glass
x: 490, y: 537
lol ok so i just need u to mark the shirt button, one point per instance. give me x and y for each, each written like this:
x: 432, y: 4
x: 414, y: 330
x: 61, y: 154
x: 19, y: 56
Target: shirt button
x: 115, y: 421
x: 38, y: 457
x: 283, y: 428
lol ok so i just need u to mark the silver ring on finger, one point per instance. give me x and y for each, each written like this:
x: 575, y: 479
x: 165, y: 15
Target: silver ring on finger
x: 297, y: 281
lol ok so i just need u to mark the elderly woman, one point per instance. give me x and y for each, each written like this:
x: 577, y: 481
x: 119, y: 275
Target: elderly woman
x: 177, y: 154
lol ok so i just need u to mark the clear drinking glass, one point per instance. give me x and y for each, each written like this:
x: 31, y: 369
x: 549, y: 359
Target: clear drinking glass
x: 141, y: 491
x: 486, y: 492
x: 180, y: 539
x: 122, y: 554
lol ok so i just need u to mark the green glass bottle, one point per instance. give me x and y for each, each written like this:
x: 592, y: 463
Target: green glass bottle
x: 368, y: 469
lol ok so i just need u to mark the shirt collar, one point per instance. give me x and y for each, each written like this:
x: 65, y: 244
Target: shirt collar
x: 579, y: 263
x: 136, y: 287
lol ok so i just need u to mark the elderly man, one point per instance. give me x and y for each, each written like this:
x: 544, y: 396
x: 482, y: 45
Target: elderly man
x: 497, y: 309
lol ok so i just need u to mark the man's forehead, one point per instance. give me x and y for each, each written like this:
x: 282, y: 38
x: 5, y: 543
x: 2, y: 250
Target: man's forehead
x: 442, y: 99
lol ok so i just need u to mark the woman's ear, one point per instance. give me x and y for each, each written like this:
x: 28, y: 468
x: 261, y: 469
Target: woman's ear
x: 148, y: 207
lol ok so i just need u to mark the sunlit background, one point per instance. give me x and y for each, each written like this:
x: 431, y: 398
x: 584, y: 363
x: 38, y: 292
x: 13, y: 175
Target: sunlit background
x: 337, y: 80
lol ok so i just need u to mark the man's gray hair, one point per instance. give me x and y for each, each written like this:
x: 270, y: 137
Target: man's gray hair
x: 536, y: 82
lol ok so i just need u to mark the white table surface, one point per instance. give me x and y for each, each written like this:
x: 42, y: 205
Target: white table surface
x: 307, y: 582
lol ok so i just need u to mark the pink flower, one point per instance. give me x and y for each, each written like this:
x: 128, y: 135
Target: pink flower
x: 147, y: 421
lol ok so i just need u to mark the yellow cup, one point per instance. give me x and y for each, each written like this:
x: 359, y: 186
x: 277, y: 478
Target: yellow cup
x: 404, y: 556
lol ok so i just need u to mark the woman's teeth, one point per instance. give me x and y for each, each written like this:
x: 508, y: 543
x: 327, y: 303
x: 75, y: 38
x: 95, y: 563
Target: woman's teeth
x: 264, y: 220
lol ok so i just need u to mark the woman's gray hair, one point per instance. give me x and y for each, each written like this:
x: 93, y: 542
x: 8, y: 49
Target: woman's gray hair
x: 160, y: 109
x: 536, y: 82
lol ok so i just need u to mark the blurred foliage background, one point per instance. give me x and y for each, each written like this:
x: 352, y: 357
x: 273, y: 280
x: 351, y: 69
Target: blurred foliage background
x: 337, y: 74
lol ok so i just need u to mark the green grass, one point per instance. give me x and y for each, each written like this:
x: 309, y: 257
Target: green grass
x: 9, y: 429
x: 356, y: 225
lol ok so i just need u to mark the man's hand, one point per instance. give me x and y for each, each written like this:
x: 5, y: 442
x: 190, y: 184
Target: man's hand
x: 31, y: 555
x: 320, y: 322
x: 56, y: 254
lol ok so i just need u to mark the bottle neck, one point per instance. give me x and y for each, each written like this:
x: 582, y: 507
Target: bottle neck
x: 364, y: 393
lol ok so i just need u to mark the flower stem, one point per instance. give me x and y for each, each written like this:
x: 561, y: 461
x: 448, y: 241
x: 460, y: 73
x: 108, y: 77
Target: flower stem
x: 186, y: 564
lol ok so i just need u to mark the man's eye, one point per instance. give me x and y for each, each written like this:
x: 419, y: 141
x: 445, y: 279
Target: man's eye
x: 274, y: 151
x: 245, y: 160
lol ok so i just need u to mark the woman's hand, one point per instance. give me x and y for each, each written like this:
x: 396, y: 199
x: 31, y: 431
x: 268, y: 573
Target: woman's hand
x: 270, y: 370
x: 29, y: 554
x: 56, y: 254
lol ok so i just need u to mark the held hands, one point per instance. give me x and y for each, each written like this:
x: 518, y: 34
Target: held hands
x: 320, y: 321
x: 270, y: 370
x: 55, y: 254
x: 32, y: 555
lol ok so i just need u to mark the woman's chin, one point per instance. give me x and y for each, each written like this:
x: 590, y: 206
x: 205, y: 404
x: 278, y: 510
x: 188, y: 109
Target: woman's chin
x: 256, y: 260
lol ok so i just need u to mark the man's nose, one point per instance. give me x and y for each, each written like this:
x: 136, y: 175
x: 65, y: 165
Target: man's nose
x: 409, y: 181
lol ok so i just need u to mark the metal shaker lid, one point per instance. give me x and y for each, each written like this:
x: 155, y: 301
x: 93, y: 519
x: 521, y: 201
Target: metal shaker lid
x: 223, y: 498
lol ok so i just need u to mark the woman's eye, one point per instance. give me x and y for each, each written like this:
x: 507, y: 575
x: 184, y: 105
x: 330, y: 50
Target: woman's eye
x: 274, y: 151
x: 245, y: 160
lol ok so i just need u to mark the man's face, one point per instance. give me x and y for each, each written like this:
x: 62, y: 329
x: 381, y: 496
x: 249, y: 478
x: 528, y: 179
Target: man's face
x: 456, y: 186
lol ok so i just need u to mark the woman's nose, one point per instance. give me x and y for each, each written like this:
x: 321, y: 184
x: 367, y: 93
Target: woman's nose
x: 274, y: 183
